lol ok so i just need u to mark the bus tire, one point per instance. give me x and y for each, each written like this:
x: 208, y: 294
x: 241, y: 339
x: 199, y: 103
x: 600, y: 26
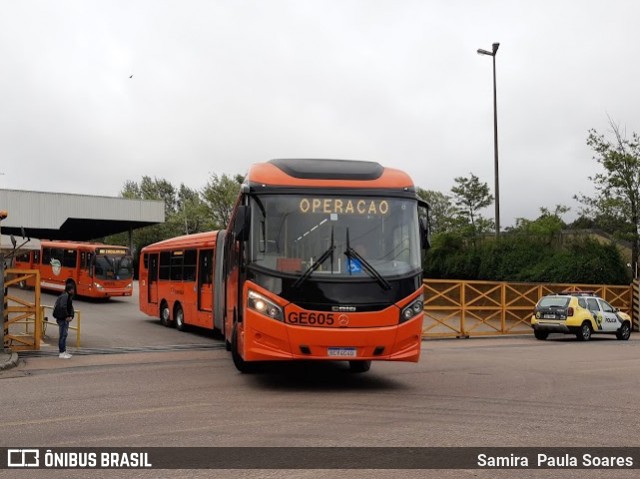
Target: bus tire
x: 240, y: 364
x: 359, y: 366
x: 165, y: 314
x: 178, y: 316
x: 624, y: 332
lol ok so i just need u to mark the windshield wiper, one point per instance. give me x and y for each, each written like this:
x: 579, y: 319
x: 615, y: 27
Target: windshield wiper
x: 352, y: 253
x: 317, y: 263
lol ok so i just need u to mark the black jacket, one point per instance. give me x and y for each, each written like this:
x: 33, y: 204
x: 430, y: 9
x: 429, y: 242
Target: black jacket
x: 64, y: 307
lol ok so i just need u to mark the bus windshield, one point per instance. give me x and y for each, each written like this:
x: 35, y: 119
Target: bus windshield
x: 113, y: 266
x: 335, y: 236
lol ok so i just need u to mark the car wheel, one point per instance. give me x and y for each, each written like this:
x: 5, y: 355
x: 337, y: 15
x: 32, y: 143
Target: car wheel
x: 624, y: 332
x: 585, y: 332
x: 541, y: 335
x: 240, y: 364
x: 165, y: 314
x: 359, y: 366
x: 179, y: 318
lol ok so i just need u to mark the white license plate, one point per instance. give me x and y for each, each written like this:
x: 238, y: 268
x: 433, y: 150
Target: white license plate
x: 342, y: 352
x: 549, y: 316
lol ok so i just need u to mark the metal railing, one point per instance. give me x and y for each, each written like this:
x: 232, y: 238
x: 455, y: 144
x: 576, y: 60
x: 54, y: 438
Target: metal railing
x: 73, y: 325
x: 490, y: 308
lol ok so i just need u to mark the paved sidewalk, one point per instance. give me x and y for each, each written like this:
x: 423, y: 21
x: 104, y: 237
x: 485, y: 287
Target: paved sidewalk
x: 8, y: 360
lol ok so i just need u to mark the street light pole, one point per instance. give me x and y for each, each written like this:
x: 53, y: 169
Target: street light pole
x: 495, y: 134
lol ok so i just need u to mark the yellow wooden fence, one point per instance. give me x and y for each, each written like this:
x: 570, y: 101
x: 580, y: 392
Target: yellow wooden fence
x: 21, y: 314
x: 488, y: 308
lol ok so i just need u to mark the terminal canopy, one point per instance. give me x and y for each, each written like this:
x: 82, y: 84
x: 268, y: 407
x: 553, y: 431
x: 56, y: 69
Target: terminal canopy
x: 74, y: 217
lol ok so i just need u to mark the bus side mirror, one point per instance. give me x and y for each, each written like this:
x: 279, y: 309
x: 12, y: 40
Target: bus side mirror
x: 423, y: 220
x: 242, y: 223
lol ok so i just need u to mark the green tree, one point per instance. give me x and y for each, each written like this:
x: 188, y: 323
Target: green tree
x: 617, y: 194
x: 219, y: 195
x: 470, y: 196
x: 192, y: 213
x: 441, y: 210
x: 547, y: 224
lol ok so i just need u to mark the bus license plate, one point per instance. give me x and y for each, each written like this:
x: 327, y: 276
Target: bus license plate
x: 342, y: 352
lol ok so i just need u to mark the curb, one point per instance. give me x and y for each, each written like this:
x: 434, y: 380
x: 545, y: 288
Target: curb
x: 13, y: 362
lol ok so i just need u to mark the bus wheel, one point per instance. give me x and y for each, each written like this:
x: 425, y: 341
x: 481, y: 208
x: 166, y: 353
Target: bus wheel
x: 359, y: 366
x: 165, y: 314
x: 240, y: 364
x: 179, y: 318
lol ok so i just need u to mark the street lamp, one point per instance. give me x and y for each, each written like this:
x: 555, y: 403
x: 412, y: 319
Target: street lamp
x: 495, y: 133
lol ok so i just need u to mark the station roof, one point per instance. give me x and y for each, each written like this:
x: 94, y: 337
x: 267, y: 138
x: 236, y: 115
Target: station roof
x: 74, y: 217
x: 6, y: 245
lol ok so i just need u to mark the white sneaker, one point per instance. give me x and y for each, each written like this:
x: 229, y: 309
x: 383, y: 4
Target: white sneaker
x: 64, y: 355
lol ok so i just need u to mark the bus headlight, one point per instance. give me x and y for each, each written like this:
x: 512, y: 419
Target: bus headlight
x: 130, y: 285
x: 413, y: 309
x: 98, y: 285
x: 262, y: 305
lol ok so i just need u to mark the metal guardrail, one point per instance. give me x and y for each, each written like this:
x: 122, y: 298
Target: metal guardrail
x: 73, y: 325
x: 462, y: 309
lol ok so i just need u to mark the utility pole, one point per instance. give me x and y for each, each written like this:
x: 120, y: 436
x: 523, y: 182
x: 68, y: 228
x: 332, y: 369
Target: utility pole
x: 3, y: 215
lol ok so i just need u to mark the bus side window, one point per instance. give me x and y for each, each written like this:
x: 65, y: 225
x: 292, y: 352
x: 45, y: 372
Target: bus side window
x: 69, y: 258
x: 145, y: 261
x: 165, y: 265
x: 57, y: 254
x: 189, y: 270
x: 177, y: 261
x: 205, y: 271
x: 36, y: 257
x: 46, y: 256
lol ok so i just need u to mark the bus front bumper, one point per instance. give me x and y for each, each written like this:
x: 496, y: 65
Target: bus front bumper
x: 267, y: 340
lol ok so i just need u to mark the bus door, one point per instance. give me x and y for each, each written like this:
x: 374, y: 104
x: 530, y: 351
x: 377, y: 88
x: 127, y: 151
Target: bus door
x: 85, y: 278
x: 205, y: 280
x: 152, y: 281
x: 219, y: 283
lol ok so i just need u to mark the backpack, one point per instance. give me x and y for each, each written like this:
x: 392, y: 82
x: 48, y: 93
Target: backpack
x: 60, y: 306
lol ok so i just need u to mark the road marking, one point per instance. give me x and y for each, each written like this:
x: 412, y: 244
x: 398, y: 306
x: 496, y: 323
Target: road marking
x: 104, y: 415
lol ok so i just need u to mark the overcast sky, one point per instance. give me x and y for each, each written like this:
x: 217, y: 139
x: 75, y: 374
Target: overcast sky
x: 218, y: 85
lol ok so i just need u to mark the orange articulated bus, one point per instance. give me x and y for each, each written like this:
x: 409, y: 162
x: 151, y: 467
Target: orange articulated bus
x: 321, y: 261
x: 176, y: 280
x: 98, y: 270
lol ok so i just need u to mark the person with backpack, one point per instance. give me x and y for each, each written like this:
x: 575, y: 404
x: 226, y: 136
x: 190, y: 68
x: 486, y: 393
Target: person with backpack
x: 63, y: 312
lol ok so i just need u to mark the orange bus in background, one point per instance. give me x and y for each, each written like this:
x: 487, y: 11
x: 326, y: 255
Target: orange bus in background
x: 321, y: 261
x: 176, y: 280
x: 99, y: 270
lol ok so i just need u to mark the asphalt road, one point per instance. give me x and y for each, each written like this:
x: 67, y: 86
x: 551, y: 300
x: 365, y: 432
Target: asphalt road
x: 480, y: 392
